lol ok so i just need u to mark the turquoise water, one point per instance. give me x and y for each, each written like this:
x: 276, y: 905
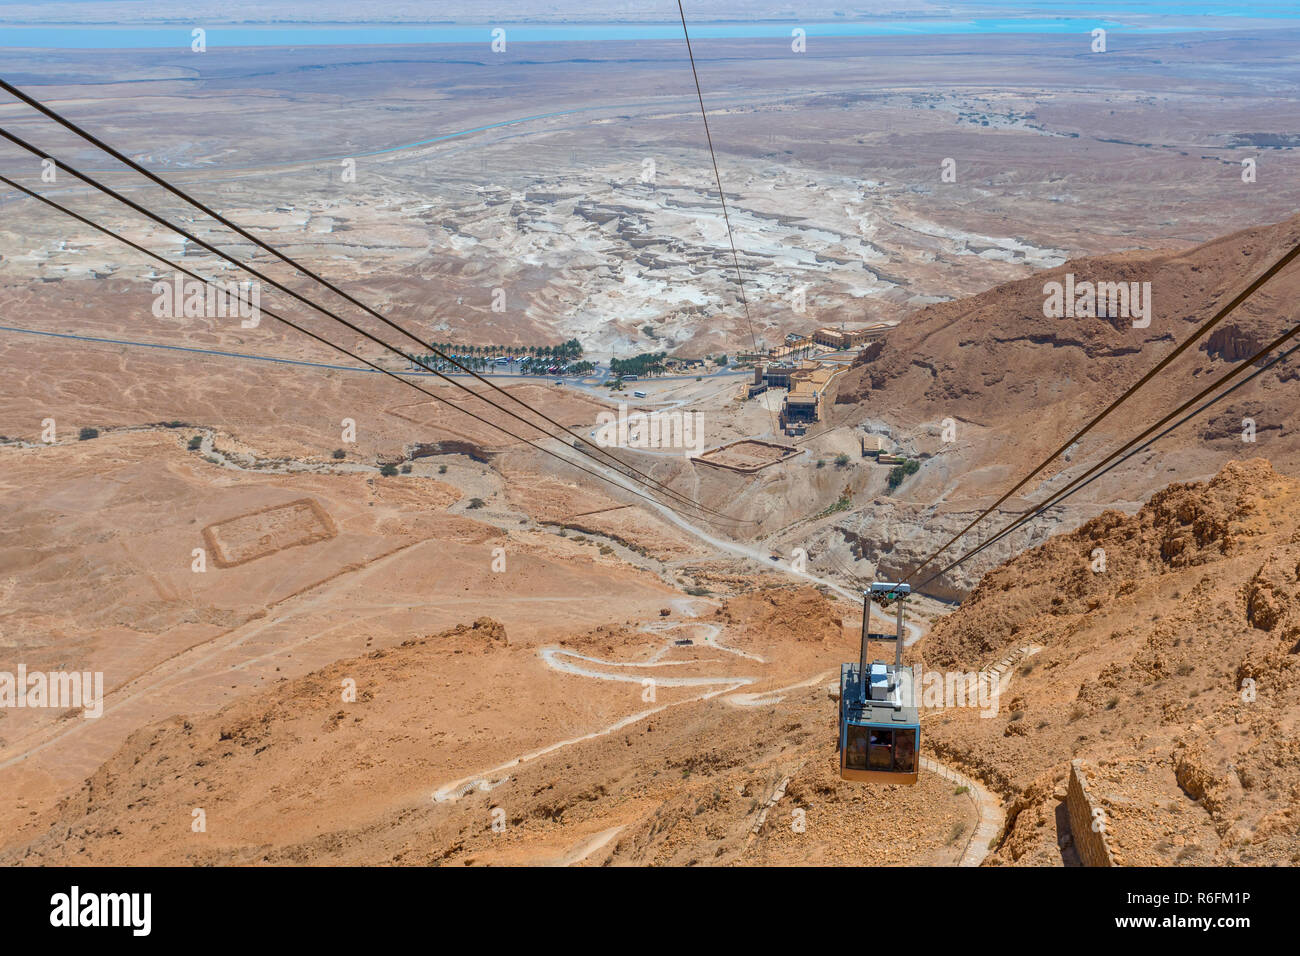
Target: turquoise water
x: 1257, y: 9
x: 45, y: 36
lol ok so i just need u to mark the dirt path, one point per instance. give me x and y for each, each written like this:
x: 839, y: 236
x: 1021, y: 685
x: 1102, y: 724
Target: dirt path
x: 587, y: 847
x: 988, y: 811
x: 561, y: 659
x: 988, y: 808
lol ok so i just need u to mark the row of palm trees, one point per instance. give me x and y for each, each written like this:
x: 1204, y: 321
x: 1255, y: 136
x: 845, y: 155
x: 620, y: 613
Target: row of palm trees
x: 646, y: 364
x: 528, y: 365
x: 565, y: 352
x: 473, y: 363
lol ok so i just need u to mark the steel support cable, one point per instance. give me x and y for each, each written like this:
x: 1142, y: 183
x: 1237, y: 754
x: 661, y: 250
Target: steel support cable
x: 726, y: 216
x: 1110, y: 461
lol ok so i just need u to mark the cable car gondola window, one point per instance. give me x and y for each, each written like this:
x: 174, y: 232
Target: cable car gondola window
x: 856, y: 757
x: 905, y: 751
x: 881, y: 753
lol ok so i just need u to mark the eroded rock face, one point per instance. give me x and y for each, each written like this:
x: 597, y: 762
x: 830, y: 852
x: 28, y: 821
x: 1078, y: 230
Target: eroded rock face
x: 895, y: 538
x: 953, y: 358
x: 799, y: 614
x: 451, y: 447
x: 1232, y: 343
x: 1005, y: 374
x: 1270, y: 594
x: 1184, y: 525
x: 1233, y: 424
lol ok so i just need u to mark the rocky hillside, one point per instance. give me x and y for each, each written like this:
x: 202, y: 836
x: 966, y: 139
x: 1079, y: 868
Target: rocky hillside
x: 1168, y: 665
x: 994, y: 358
x: 1016, y: 385
x: 299, y: 773
x: 1172, y: 673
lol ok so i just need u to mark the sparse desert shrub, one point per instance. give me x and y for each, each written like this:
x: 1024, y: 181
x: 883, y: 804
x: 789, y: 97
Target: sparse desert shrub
x: 843, y: 503
x: 195, y: 443
x: 841, y: 460
x: 442, y: 469
x: 475, y: 503
x: 899, y: 473
x: 87, y: 433
x: 697, y: 591
x: 339, y: 453
x: 388, y: 470
x: 406, y: 469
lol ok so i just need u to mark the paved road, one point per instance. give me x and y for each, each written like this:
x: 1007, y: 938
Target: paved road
x: 601, y: 374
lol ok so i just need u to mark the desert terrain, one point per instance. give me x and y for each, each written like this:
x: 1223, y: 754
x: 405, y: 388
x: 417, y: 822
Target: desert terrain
x: 341, y: 621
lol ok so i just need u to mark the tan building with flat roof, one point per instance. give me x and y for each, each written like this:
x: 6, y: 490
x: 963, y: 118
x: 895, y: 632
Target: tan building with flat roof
x: 873, y: 445
x: 806, y: 401
x: 844, y: 338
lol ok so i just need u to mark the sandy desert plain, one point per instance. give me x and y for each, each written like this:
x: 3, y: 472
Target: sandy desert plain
x: 498, y: 612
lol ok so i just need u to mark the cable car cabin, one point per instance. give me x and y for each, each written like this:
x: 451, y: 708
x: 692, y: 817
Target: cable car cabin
x: 881, y: 734
x: 879, y: 725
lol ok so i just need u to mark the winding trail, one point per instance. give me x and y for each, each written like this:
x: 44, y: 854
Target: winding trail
x: 567, y: 661
x: 988, y: 810
x: 587, y: 847
x: 561, y: 659
x: 991, y: 818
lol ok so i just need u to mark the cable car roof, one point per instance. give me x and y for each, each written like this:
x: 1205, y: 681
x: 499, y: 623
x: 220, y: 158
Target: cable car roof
x: 897, y: 711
